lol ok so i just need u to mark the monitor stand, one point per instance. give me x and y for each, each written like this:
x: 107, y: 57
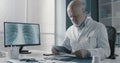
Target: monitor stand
x: 23, y: 51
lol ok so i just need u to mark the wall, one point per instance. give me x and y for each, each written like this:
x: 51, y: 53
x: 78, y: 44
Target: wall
x: 12, y: 10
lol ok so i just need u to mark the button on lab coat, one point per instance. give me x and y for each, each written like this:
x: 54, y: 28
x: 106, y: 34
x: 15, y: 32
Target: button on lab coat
x: 92, y: 37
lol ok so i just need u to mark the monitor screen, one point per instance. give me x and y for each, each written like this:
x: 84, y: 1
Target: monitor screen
x: 21, y: 34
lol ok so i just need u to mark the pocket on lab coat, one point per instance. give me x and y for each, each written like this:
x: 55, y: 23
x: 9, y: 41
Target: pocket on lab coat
x: 74, y: 45
x: 92, y: 42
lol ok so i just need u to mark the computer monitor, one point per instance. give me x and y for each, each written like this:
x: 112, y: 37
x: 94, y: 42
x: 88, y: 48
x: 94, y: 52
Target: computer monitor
x: 21, y: 34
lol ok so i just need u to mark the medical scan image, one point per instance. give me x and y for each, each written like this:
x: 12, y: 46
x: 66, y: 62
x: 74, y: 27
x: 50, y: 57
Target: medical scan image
x: 21, y: 34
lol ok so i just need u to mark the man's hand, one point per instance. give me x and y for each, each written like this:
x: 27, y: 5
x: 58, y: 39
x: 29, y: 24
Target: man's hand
x: 54, y: 51
x: 82, y: 53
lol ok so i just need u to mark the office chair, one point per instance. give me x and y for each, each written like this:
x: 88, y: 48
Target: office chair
x: 112, y: 38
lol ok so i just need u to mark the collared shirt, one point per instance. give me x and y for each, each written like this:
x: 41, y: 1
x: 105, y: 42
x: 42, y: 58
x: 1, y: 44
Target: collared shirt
x: 92, y: 37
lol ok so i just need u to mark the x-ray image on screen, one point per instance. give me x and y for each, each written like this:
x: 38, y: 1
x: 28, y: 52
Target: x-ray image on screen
x: 21, y: 34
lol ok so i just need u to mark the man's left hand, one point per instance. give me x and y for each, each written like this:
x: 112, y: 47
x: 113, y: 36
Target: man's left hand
x: 82, y: 53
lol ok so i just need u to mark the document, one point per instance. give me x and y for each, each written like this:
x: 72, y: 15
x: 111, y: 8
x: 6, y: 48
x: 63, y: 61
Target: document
x: 72, y: 59
x: 66, y: 55
x: 68, y: 58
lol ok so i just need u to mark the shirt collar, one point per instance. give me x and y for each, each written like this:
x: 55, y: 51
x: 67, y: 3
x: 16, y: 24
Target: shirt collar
x: 83, y: 24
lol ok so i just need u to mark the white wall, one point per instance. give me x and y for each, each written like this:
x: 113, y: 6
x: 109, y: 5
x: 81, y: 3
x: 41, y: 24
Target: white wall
x: 12, y: 10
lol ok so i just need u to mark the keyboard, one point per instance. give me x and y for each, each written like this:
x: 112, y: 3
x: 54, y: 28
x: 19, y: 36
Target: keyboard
x: 29, y: 60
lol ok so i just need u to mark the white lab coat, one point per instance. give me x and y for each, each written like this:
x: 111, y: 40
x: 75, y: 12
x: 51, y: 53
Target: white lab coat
x: 93, y: 37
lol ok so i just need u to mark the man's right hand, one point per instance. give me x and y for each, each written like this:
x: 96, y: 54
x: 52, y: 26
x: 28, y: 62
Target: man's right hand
x: 54, y: 51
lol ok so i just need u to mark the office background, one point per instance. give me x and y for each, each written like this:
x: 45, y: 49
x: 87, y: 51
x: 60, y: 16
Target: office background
x: 52, y: 17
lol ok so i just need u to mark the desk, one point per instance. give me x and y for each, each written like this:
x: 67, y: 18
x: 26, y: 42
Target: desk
x: 38, y: 56
x: 48, y: 59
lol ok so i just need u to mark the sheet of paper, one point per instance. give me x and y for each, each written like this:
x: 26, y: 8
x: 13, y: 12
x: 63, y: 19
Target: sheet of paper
x: 67, y: 55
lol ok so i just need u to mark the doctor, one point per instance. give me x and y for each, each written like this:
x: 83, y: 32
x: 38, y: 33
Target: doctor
x: 86, y: 37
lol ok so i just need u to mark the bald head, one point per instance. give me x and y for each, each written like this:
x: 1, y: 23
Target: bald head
x: 76, y: 12
x: 76, y: 4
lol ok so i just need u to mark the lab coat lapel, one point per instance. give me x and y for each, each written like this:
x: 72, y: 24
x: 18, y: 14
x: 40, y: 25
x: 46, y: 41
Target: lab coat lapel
x: 74, y: 34
x: 82, y: 33
x: 85, y: 30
